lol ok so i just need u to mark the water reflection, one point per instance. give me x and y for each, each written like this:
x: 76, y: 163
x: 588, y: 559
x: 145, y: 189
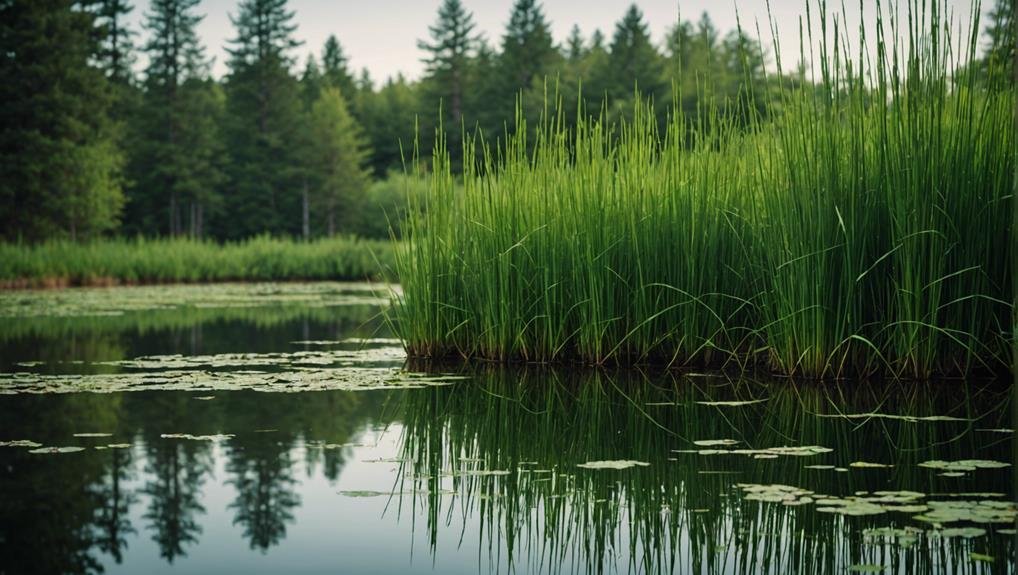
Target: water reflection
x: 684, y: 511
x: 474, y: 477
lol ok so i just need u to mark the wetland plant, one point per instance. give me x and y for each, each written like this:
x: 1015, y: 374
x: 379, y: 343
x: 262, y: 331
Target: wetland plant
x: 863, y: 230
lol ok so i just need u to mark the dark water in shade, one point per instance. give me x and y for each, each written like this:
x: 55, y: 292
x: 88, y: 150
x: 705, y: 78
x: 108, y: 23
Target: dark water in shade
x: 379, y: 467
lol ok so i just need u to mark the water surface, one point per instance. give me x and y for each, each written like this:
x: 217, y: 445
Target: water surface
x: 271, y: 428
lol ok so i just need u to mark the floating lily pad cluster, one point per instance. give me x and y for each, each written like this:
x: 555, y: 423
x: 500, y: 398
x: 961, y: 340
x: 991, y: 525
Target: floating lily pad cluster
x: 960, y: 468
x: 297, y: 379
x: 878, y: 502
x: 765, y: 453
x: 975, y: 511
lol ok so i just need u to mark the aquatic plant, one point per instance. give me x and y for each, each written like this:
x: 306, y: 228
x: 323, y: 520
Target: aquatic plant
x: 862, y: 230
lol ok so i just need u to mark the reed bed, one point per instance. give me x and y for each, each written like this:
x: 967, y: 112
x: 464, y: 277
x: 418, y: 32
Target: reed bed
x: 863, y: 231
x: 140, y: 261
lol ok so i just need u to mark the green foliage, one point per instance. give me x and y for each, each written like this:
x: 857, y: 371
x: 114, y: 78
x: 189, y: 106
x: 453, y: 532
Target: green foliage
x: 177, y: 163
x: 339, y: 155
x: 262, y: 119
x: 837, y: 239
x: 187, y: 260
x: 60, y: 169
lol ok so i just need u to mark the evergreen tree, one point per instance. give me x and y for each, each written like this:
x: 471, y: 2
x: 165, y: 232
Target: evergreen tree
x: 575, y: 48
x: 334, y: 67
x: 635, y: 62
x: 999, y: 63
x: 453, y: 42
x: 60, y: 169
x: 339, y: 155
x: 391, y: 113
x: 116, y: 46
x: 263, y: 120
x: 176, y: 166
x: 528, y: 52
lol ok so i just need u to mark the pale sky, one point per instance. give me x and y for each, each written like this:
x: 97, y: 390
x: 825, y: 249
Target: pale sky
x: 382, y: 35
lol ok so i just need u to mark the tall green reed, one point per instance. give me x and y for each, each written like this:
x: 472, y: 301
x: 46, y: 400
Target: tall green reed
x: 861, y: 231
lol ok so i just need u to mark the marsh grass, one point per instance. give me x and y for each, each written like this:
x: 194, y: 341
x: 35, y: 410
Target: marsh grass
x: 134, y: 261
x: 863, y: 231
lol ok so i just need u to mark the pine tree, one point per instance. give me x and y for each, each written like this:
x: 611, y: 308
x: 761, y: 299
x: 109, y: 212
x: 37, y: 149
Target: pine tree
x: 60, y: 169
x: 176, y: 165
x: 575, y: 47
x: 453, y: 43
x: 262, y: 126
x: 116, y: 47
x: 999, y: 63
x: 339, y: 155
x: 528, y: 52
x: 392, y: 114
x: 635, y: 62
x: 334, y: 67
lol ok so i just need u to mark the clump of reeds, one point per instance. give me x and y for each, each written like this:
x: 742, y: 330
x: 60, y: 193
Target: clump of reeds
x: 863, y: 230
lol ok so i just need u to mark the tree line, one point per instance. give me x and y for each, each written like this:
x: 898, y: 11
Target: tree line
x: 91, y: 144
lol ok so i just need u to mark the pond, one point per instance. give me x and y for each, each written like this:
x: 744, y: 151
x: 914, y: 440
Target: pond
x: 270, y: 428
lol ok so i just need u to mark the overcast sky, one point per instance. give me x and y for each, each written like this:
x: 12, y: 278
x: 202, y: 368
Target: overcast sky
x: 382, y: 35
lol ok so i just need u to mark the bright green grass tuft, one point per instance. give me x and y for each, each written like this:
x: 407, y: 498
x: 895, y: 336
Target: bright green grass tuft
x: 863, y: 231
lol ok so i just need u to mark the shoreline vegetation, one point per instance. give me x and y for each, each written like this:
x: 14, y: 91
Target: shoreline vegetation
x: 109, y: 262
x: 862, y: 231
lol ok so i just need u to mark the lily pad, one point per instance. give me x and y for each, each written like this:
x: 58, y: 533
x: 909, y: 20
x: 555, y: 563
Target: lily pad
x: 93, y: 435
x: 215, y: 437
x: 715, y: 442
x: 364, y: 493
x: 818, y: 467
x: 613, y: 464
x: 868, y: 465
x: 982, y: 511
x: 964, y: 465
x: 981, y: 557
x: 965, y: 532
x: 48, y: 450
x: 20, y: 443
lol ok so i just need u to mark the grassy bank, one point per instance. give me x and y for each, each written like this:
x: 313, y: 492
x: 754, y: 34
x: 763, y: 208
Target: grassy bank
x: 122, y: 261
x: 864, y: 231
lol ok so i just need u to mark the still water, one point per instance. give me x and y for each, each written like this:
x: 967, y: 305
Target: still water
x: 276, y: 428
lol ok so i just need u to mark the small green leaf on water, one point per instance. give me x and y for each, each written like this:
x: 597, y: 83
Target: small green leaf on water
x: 819, y: 467
x: 20, y: 443
x: 964, y: 465
x: 952, y: 474
x: 364, y: 493
x: 119, y: 446
x: 715, y: 442
x: 730, y: 403
x: 613, y: 464
x: 981, y: 557
x: 93, y: 435
x: 205, y: 397
x: 966, y: 532
x: 866, y: 568
x: 868, y: 465
x: 47, y: 450
x: 1007, y: 531
x: 216, y: 437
